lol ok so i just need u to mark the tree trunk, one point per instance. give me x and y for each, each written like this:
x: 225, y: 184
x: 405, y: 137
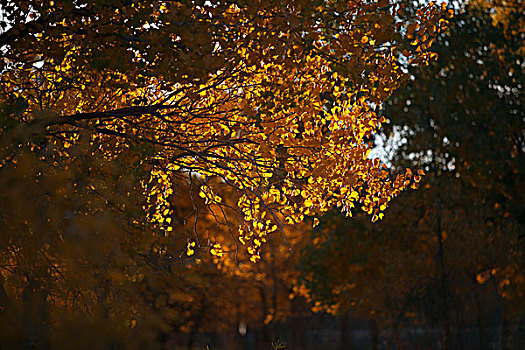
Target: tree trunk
x: 482, y: 330
x: 398, y: 340
x: 345, y: 337
x: 266, y: 339
x: 35, y: 318
x: 196, y: 326
x: 297, y: 325
x: 374, y: 334
x: 3, y: 295
x: 446, y: 342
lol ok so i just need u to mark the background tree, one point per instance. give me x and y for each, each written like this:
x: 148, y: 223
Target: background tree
x: 68, y: 249
x: 449, y: 256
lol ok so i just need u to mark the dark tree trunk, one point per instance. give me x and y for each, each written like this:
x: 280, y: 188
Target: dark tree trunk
x: 35, y: 318
x: 374, y: 334
x: 265, y: 328
x: 195, y: 328
x: 297, y: 325
x: 396, y: 336
x: 345, y: 336
x: 483, y: 339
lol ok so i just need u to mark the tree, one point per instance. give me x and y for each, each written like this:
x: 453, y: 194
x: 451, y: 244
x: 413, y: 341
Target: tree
x: 449, y: 256
x: 478, y: 145
x: 69, y: 259
x: 275, y: 99
x: 258, y: 114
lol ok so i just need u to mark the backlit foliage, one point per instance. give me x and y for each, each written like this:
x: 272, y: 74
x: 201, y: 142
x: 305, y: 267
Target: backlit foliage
x: 276, y: 99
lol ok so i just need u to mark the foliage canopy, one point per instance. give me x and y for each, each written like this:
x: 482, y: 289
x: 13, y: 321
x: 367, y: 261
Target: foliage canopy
x: 276, y: 100
x: 136, y: 133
